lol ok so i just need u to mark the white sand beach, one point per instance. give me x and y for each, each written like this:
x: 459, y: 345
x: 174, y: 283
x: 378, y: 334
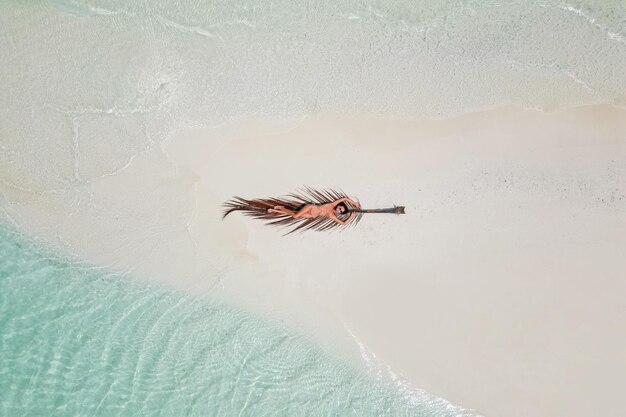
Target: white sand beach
x: 501, y: 289
x: 500, y: 126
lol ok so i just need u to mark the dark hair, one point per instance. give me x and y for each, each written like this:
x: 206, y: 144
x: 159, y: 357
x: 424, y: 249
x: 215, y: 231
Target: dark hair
x: 345, y: 207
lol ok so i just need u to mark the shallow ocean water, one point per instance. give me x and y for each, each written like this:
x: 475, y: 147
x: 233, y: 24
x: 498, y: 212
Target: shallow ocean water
x: 91, y: 89
x: 90, y: 85
x: 75, y: 340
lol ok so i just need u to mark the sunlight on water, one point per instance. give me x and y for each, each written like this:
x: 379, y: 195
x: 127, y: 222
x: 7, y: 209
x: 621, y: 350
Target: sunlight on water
x: 77, y: 341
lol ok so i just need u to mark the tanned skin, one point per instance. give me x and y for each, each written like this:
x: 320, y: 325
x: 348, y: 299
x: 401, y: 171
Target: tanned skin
x: 310, y: 211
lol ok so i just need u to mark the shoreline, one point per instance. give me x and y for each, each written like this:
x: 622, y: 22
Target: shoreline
x: 109, y: 330
x: 514, y: 217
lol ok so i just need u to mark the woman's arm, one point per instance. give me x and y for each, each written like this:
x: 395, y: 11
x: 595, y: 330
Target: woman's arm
x: 341, y: 221
x: 354, y: 203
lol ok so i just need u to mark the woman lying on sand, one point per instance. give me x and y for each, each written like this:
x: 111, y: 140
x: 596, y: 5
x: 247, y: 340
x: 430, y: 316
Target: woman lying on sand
x: 308, y: 209
x: 328, y: 210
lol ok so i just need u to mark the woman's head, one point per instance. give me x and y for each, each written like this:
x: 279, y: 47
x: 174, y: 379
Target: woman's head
x: 340, y: 209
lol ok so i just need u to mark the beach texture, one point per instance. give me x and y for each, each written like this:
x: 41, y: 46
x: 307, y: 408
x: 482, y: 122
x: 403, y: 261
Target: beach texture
x: 500, y: 127
x: 79, y: 341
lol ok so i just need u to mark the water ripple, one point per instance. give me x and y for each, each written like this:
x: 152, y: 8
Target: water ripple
x: 75, y: 341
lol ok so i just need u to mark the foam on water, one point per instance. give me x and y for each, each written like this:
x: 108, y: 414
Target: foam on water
x: 78, y: 341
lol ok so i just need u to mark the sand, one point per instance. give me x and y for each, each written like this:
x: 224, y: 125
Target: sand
x: 500, y: 290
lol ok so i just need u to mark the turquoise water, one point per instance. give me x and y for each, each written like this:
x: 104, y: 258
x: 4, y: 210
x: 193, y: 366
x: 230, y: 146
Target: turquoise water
x: 92, y: 87
x: 76, y: 341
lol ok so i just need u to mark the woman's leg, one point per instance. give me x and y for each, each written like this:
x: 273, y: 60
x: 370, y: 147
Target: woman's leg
x: 303, y: 212
x: 282, y: 210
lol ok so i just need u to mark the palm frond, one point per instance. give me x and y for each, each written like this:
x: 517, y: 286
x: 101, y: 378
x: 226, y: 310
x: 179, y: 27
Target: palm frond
x: 258, y: 209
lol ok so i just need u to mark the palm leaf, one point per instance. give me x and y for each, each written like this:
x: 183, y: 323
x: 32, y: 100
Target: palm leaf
x: 257, y: 208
